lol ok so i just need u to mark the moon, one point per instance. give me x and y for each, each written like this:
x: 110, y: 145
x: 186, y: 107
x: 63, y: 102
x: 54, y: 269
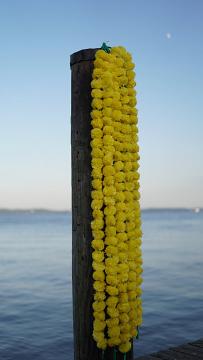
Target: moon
x: 168, y: 35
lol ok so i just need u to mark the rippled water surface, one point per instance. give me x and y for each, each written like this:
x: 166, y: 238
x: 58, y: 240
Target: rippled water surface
x: 35, y: 283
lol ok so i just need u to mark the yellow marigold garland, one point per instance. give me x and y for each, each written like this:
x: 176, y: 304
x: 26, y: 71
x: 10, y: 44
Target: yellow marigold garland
x: 116, y: 225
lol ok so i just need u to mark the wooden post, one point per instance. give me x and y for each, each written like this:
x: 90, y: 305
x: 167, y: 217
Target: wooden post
x: 85, y: 347
x: 81, y: 68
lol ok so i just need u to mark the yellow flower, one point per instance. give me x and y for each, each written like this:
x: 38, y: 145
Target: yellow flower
x: 98, y: 234
x: 123, y: 297
x: 98, y: 256
x: 110, y: 210
x: 99, y: 296
x: 110, y: 231
x: 125, y: 328
x: 110, y: 270
x: 108, y: 170
x: 120, y: 226
x: 120, y: 176
x: 97, y: 213
x: 99, y: 315
x: 116, y: 115
x: 108, y: 130
x: 132, y: 276
x: 108, y: 159
x: 98, y: 266
x: 97, y: 123
x: 110, y: 220
x: 124, y: 318
x: 118, y: 166
x: 133, y: 332
x: 116, y: 224
x: 96, y: 143
x: 97, y: 194
x: 97, y: 163
x: 99, y: 305
x: 98, y: 275
x: 97, y: 224
x: 97, y: 153
x: 111, y: 322
x: 122, y: 237
x: 111, y: 250
x: 99, y: 285
x: 121, y: 206
x: 120, y: 186
x: 111, y: 290
x: 132, y: 295
x: 112, y: 262
x: 96, y: 204
x: 109, y: 191
x: 123, y: 268
x: 96, y: 173
x: 132, y: 314
x: 112, y: 280
x: 96, y: 133
x: 108, y: 140
x: 114, y: 331
x: 108, y: 180
x: 122, y: 288
x: 112, y: 301
x: 96, y: 84
x: 111, y: 240
x: 120, y: 196
x: 123, y: 256
x: 99, y: 325
x: 122, y: 246
x: 109, y: 200
x: 107, y: 102
x: 132, y: 285
x: 102, y: 344
x: 97, y: 93
x: 98, y: 244
x: 112, y: 312
x: 97, y: 104
x: 97, y: 184
x: 116, y: 104
x: 107, y: 112
x: 123, y: 277
x: 125, y: 347
x: 113, y: 341
x: 98, y: 335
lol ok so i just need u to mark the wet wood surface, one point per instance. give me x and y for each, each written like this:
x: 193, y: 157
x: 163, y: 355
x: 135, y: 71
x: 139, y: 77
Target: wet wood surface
x: 190, y: 351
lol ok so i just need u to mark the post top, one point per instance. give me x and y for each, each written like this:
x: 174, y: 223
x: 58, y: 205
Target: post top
x: 82, y: 55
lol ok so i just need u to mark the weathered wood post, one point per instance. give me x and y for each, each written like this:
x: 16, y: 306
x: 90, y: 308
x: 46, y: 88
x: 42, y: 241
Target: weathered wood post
x: 81, y: 64
x: 85, y: 347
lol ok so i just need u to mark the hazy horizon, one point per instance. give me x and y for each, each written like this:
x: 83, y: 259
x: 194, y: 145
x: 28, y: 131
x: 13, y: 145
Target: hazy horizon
x: 37, y: 38
x: 70, y: 209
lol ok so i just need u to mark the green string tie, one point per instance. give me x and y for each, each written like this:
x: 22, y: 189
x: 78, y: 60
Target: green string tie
x: 106, y: 48
x: 124, y: 356
x: 137, y: 337
x: 114, y: 354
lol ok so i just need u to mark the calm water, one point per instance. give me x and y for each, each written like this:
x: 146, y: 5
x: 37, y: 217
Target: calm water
x: 35, y: 283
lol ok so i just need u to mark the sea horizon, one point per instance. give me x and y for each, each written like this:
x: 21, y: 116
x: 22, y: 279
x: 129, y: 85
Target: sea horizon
x: 188, y: 208
x: 36, y: 282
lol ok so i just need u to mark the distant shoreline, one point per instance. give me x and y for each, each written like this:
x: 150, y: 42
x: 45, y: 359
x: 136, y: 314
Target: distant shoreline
x: 43, y: 210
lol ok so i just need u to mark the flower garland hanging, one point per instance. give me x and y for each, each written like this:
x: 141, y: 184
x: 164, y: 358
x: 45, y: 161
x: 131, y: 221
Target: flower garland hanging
x: 116, y: 225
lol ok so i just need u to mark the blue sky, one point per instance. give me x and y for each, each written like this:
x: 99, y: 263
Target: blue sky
x: 37, y: 38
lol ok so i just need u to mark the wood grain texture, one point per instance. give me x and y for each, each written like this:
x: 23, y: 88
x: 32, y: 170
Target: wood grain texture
x: 81, y: 74
x: 191, y: 351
